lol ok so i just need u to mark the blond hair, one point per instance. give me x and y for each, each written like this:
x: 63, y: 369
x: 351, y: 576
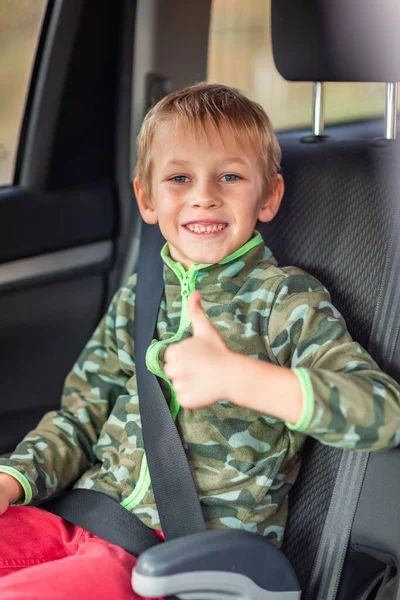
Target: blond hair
x: 215, y: 104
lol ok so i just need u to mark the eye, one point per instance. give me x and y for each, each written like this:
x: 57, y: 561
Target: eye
x: 180, y: 179
x: 230, y: 177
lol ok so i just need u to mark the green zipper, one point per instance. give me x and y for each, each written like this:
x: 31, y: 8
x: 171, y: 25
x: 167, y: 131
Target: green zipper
x: 187, y: 280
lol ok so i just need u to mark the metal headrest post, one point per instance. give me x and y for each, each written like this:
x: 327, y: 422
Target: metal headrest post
x: 391, y: 111
x: 318, y: 115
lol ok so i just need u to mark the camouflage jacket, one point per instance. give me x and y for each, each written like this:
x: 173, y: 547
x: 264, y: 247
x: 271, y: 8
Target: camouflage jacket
x: 244, y: 463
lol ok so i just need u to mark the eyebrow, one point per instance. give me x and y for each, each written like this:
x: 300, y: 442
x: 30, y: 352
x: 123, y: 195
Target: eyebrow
x: 228, y: 160
x: 177, y: 163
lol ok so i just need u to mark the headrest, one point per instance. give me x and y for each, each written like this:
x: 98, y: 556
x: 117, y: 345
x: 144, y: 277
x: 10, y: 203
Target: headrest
x: 336, y: 40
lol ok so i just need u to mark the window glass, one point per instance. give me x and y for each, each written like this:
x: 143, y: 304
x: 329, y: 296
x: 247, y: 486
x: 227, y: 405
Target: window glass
x: 20, y: 23
x: 240, y: 55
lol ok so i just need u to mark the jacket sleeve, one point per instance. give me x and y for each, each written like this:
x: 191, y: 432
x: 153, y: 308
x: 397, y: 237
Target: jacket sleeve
x: 63, y: 445
x: 347, y: 400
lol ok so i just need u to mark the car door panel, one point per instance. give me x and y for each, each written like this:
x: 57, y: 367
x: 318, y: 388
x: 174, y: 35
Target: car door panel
x: 45, y: 328
x: 34, y: 223
x: 66, y: 223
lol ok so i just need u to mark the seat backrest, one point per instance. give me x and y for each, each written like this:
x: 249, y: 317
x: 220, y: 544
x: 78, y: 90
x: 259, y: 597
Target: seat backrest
x: 336, y: 218
x: 337, y: 221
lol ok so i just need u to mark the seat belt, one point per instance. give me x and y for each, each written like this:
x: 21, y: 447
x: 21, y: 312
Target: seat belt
x: 332, y: 548
x: 103, y: 516
x: 328, y: 564
x: 174, y: 490
x: 176, y: 497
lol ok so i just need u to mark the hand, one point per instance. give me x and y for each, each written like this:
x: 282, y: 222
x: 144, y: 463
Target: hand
x: 199, y: 367
x: 4, y: 504
x: 10, y: 491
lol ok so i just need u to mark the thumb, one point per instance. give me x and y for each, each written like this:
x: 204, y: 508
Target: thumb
x: 200, y: 323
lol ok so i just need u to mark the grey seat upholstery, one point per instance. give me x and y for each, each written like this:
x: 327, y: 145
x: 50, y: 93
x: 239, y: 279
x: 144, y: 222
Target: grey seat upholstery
x: 340, y: 208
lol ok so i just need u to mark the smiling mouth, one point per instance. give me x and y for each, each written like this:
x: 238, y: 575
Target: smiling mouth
x: 204, y: 229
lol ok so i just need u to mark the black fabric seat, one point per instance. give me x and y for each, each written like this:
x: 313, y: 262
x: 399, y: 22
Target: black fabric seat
x: 340, y: 209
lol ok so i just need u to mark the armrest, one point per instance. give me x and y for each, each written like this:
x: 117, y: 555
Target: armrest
x: 216, y: 564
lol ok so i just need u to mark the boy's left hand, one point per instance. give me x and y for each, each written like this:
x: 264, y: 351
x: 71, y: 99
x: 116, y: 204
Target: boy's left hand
x: 199, y: 367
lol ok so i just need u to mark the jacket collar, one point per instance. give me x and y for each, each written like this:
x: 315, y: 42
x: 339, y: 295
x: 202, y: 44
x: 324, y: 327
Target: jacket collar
x: 228, y: 273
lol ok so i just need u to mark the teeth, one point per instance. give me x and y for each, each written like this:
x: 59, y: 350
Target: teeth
x: 198, y: 228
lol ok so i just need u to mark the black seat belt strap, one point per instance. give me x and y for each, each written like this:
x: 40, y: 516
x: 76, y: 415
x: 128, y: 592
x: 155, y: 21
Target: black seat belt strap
x: 175, y: 493
x: 328, y: 564
x: 103, y: 516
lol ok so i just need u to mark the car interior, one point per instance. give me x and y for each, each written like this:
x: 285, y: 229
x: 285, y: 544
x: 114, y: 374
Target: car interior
x: 71, y: 234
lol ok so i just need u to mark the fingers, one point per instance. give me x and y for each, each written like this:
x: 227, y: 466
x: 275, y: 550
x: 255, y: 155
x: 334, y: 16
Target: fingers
x: 171, y: 361
x: 3, y: 502
x: 190, y: 364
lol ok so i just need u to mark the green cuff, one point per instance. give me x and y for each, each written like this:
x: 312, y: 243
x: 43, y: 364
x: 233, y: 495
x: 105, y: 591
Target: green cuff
x: 307, y: 393
x: 23, y: 481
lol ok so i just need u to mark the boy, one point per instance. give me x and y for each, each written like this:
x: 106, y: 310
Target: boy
x: 269, y: 361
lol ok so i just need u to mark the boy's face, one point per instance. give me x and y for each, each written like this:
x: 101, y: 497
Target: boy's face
x: 206, y: 193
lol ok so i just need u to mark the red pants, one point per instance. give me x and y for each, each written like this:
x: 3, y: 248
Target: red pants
x: 42, y: 557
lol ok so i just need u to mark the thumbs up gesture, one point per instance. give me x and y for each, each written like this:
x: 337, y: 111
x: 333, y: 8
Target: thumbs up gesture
x: 200, y: 366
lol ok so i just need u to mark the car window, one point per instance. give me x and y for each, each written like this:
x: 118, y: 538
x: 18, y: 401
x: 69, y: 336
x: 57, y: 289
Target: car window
x: 20, y: 24
x: 240, y: 55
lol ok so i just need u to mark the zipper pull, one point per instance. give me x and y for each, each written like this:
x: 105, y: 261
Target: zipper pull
x: 185, y: 287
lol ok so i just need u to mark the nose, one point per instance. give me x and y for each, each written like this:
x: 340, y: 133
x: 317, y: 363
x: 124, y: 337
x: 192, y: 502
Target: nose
x: 206, y: 195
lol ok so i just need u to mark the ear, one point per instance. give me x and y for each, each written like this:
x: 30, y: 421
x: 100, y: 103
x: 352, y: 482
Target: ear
x: 146, y: 209
x: 272, y: 200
